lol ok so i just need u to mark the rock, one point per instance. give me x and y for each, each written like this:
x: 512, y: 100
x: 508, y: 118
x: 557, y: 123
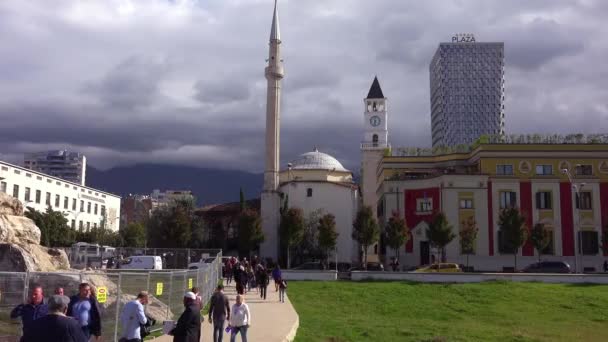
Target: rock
x: 18, y: 230
x: 32, y: 258
x: 10, y: 205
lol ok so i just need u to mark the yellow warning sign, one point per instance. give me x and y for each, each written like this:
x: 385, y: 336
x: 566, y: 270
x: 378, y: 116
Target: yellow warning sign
x: 159, y: 289
x: 189, y: 283
x: 102, y: 294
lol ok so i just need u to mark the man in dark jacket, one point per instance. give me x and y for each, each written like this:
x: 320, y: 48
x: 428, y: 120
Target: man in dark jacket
x: 32, y: 310
x: 188, y: 328
x: 219, y: 312
x: 85, y: 309
x: 55, y: 327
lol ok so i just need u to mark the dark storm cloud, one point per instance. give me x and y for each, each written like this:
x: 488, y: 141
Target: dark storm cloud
x: 183, y: 81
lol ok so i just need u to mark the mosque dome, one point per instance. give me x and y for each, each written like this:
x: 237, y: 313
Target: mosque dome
x: 316, y: 160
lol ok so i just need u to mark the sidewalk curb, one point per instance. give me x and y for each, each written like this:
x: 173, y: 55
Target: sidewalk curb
x: 294, y: 329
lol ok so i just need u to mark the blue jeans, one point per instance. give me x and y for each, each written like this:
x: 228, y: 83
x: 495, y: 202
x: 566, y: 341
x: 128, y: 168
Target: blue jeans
x: 218, y: 330
x: 236, y: 330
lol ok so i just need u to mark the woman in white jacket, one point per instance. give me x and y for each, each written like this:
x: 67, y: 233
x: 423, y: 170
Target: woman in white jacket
x: 240, y: 319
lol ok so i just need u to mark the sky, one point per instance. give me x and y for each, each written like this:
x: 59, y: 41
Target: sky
x: 182, y: 82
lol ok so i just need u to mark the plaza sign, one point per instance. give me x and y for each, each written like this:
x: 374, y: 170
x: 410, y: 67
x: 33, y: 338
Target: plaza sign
x: 463, y: 38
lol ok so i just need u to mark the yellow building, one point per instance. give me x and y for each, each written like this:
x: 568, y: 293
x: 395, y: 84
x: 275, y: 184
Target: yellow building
x: 561, y: 183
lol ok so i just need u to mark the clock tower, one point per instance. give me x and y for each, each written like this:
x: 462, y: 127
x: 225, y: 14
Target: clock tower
x: 375, y: 141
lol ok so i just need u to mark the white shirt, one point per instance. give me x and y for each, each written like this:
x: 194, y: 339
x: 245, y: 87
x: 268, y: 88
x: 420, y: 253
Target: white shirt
x: 132, y: 316
x: 240, y: 315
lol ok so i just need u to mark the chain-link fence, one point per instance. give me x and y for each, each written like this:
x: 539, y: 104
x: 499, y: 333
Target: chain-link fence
x: 98, y: 257
x: 113, y: 289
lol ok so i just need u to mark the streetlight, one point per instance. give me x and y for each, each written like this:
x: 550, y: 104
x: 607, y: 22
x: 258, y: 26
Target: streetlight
x: 577, y: 238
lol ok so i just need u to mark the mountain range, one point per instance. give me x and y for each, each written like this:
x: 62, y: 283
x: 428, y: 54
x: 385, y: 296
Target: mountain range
x: 210, y: 186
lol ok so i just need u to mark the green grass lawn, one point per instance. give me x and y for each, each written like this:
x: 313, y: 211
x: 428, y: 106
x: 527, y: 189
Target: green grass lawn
x: 494, y: 311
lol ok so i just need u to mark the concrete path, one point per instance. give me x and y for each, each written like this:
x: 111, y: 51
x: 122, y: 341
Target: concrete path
x: 271, y: 320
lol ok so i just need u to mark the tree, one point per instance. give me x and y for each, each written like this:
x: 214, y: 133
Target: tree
x: 250, y: 232
x: 513, y: 231
x: 540, y: 237
x: 365, y: 230
x: 605, y: 238
x: 328, y: 237
x: 308, y: 248
x: 292, y: 229
x: 468, y: 237
x: 397, y: 233
x: 53, y: 225
x: 440, y: 233
x: 133, y: 235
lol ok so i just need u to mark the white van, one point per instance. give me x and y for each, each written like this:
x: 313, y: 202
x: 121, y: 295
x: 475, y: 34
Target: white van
x: 142, y: 262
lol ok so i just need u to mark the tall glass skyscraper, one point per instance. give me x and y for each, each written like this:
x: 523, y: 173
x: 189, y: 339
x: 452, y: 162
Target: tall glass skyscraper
x: 467, y: 91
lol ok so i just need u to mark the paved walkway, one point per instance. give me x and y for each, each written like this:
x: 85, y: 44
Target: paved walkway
x: 272, y: 321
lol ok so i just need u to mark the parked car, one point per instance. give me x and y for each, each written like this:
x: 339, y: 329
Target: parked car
x: 313, y: 265
x: 342, y: 266
x: 371, y: 266
x: 142, y: 262
x: 548, y: 267
x: 439, y: 268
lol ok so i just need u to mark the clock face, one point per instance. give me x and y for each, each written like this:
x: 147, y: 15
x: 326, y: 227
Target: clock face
x: 375, y: 120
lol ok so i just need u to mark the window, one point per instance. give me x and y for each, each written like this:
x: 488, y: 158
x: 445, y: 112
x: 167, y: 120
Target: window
x: 38, y: 196
x: 27, y: 194
x: 508, y: 199
x: 57, y: 201
x: 505, y: 169
x: 73, y: 224
x: 81, y: 206
x: 308, y: 193
x: 466, y: 204
x: 88, y: 226
x: 544, y: 170
x: 95, y: 225
x: 543, y: 200
x: 95, y: 210
x: 66, y: 202
x: 74, y: 204
x: 584, y: 170
x: 47, y: 201
x: 504, y: 247
x: 89, y: 207
x: 80, y: 226
x: 549, y: 250
x: 16, y: 191
x: 103, y: 210
x: 375, y: 140
x: 589, y: 242
x: 583, y: 201
x: 3, y: 187
x: 424, y: 205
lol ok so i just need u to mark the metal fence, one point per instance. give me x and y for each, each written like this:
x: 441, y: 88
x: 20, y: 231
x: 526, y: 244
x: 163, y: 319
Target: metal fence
x: 173, y: 258
x: 113, y: 288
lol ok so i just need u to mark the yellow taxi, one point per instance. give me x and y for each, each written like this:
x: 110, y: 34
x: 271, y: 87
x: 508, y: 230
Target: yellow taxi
x: 439, y: 268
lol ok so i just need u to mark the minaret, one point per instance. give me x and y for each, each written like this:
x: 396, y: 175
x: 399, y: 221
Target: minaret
x: 271, y: 199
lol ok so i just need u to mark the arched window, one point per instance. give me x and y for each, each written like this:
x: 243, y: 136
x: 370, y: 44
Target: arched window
x: 375, y: 139
x: 374, y: 107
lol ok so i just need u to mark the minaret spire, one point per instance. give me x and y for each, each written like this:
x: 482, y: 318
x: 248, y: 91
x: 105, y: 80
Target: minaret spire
x: 275, y: 32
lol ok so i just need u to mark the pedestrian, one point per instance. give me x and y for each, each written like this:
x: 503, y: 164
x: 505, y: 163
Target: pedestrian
x: 55, y: 327
x: 32, y: 310
x: 244, y: 278
x: 276, y: 276
x: 188, y: 328
x: 219, y: 312
x: 282, y: 290
x: 395, y: 264
x: 133, y: 317
x: 59, y: 291
x: 240, y: 319
x: 263, y: 281
x: 237, y: 279
x: 199, y: 299
x: 85, y: 309
x: 228, y: 268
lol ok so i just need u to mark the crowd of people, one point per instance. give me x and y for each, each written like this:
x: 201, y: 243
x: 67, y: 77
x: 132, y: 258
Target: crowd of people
x: 78, y: 318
